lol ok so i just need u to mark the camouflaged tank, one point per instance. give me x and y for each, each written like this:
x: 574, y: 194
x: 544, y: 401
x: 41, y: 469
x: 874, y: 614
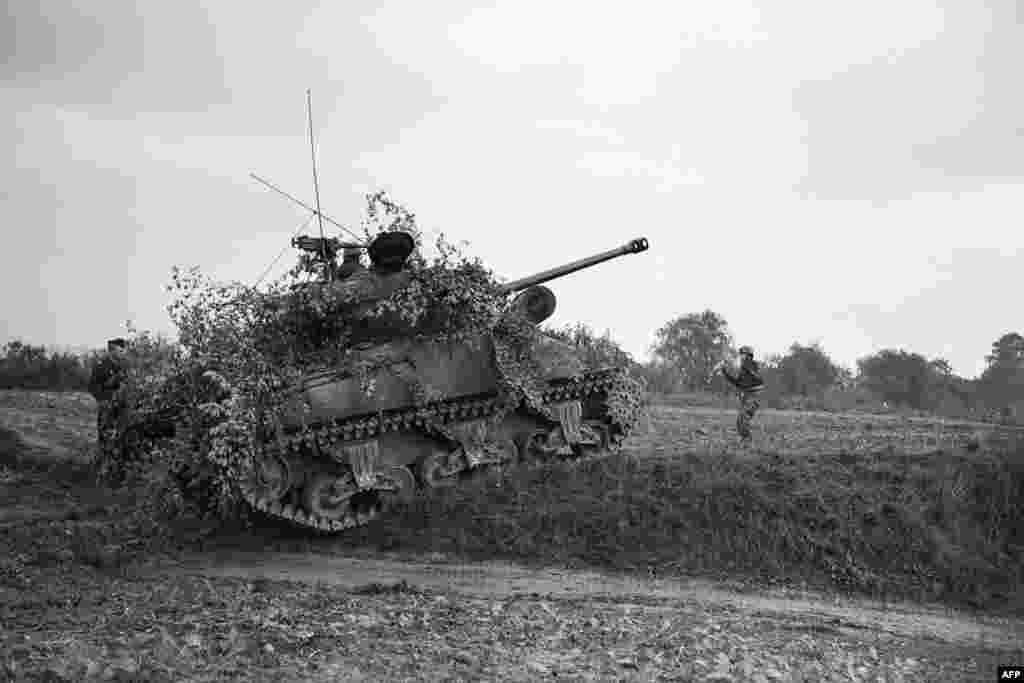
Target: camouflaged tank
x: 339, y: 455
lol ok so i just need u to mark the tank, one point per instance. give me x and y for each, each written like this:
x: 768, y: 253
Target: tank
x: 340, y: 456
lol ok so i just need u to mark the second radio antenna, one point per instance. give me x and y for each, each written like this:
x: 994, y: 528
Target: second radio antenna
x: 316, y: 184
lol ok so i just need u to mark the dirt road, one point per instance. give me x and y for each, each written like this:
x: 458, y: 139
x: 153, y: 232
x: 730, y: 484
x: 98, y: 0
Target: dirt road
x: 503, y: 581
x: 592, y: 626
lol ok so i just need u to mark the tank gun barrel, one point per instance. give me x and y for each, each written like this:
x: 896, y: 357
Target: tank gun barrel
x: 631, y: 247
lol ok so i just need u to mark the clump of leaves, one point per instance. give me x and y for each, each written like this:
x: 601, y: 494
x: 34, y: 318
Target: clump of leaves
x: 240, y: 351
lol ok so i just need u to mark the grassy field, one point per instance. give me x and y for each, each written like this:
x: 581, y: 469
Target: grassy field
x: 65, y: 424
x: 863, y: 505
x: 673, y: 429
x: 53, y: 425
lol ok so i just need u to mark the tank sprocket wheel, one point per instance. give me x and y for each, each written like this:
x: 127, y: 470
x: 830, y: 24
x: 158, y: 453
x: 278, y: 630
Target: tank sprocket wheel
x: 396, y: 484
x: 269, y: 478
x: 439, y: 470
x: 329, y: 495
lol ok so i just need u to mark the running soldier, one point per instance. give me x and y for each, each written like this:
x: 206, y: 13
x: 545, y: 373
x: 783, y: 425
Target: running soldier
x: 748, y: 382
x: 106, y: 379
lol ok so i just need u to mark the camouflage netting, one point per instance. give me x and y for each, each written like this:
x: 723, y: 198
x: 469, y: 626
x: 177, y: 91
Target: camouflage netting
x: 240, y: 349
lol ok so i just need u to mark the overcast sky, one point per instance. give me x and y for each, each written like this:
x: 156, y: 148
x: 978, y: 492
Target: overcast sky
x: 847, y: 173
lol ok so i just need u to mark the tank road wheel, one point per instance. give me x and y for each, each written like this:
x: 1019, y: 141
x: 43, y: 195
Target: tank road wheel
x: 329, y: 495
x: 397, y: 484
x: 439, y: 470
x: 269, y: 479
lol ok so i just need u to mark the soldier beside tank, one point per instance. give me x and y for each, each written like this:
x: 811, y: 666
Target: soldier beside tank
x: 351, y: 263
x: 748, y: 383
x: 104, y: 382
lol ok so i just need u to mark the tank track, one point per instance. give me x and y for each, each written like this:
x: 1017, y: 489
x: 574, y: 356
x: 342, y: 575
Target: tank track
x: 424, y: 418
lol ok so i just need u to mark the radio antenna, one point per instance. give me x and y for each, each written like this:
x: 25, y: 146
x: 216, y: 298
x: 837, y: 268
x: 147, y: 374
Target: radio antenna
x: 316, y: 186
x: 307, y: 207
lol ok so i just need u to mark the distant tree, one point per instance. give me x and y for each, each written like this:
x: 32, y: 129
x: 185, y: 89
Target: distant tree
x: 898, y: 377
x: 1008, y: 350
x: 28, y: 354
x: 806, y: 371
x: 693, y: 344
x: 1001, y: 385
x: 949, y: 394
x: 25, y: 366
x: 909, y: 379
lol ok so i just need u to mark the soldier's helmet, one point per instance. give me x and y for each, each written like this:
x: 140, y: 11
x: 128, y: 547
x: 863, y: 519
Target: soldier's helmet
x: 746, y: 350
x: 390, y: 250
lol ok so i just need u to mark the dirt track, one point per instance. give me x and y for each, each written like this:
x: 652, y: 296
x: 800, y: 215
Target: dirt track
x: 501, y: 580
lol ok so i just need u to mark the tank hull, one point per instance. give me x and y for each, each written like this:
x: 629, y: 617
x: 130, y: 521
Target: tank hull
x: 342, y: 457
x: 449, y: 370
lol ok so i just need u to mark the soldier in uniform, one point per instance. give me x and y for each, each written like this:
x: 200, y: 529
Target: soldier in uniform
x: 106, y: 379
x: 350, y: 263
x: 748, y: 382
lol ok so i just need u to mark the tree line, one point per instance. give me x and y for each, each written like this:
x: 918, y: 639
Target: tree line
x: 27, y: 366
x: 687, y: 349
x: 684, y: 355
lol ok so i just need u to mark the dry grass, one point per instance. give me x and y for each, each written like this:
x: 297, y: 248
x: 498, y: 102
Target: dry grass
x: 673, y: 429
x: 53, y: 426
